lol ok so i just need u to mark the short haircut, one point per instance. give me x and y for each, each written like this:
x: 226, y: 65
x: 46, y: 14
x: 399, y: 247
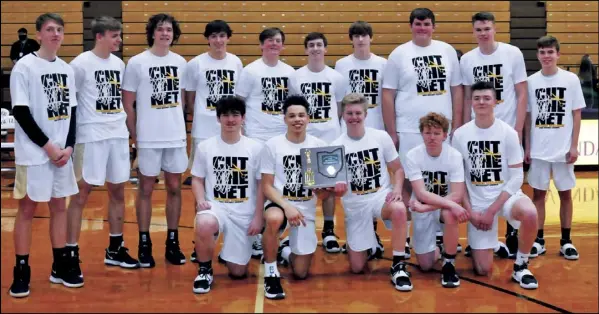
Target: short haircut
x: 105, y: 23
x: 153, y: 23
x: 354, y: 99
x: 217, y: 26
x: 42, y: 19
x: 313, y: 36
x: 295, y: 100
x: 360, y: 28
x: 548, y: 42
x: 230, y: 104
x: 483, y: 85
x: 22, y: 30
x: 270, y: 33
x: 483, y: 16
x: 422, y: 14
x: 434, y: 120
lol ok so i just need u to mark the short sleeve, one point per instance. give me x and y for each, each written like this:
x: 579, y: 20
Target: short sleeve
x: 293, y: 89
x: 199, y: 165
x: 267, y: 160
x: 72, y: 88
x: 456, y: 72
x: 391, y: 74
x: 389, y: 152
x: 531, y: 97
x: 245, y: 83
x: 340, y: 87
x: 19, y: 89
x: 131, y: 78
x: 79, y: 72
x: 182, y: 75
x: 456, y: 173
x: 256, y: 155
x: 466, y: 71
x: 514, y: 150
x: 412, y: 168
x: 191, y: 75
x: 518, y: 66
x: 577, y: 96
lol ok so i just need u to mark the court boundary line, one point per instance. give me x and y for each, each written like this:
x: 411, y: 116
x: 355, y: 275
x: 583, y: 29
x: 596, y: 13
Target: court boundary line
x: 259, y: 302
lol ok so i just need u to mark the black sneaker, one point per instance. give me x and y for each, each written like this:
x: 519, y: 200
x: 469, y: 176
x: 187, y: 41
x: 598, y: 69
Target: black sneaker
x: 449, y: 277
x: 194, y: 256
x: 66, y: 274
x: 144, y: 255
x: 121, y: 258
x: 73, y: 255
x: 257, y: 247
x: 502, y: 251
x: 523, y: 276
x: 20, y: 284
x: 379, y: 242
x: 187, y: 181
x: 273, y: 289
x: 568, y: 251
x: 538, y: 248
x: 511, y: 241
x: 400, y: 277
x: 407, y: 250
x: 468, y: 251
x: 330, y: 241
x: 280, y: 260
x: 173, y: 253
x: 203, y: 280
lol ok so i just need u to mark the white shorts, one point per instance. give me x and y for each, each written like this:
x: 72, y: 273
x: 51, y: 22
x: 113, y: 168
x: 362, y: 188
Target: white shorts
x: 42, y: 182
x: 237, y: 245
x: 425, y: 228
x: 106, y: 160
x: 480, y: 240
x: 358, y: 224
x: 541, y: 171
x: 152, y: 160
x: 302, y: 240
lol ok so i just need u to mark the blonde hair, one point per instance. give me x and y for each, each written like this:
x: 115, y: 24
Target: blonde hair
x: 354, y: 99
x: 434, y: 120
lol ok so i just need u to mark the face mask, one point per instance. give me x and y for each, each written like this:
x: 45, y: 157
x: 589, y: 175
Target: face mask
x: 22, y: 37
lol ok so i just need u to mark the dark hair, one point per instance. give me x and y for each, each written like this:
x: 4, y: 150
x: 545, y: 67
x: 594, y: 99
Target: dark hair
x: 313, y: 36
x: 230, y: 104
x: 295, y: 100
x: 217, y: 26
x: 42, y: 19
x: 548, y: 42
x: 434, y: 120
x: 153, y: 22
x: 483, y: 16
x: 422, y: 14
x: 22, y: 30
x: 270, y: 33
x: 102, y: 24
x: 459, y: 53
x: 483, y: 85
x: 360, y: 28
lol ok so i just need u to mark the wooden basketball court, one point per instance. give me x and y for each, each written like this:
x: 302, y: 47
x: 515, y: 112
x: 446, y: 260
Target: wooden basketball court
x: 565, y: 286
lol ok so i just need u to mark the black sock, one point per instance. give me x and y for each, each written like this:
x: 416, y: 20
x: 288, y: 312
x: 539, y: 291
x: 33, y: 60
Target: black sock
x: 448, y: 257
x: 329, y: 225
x: 115, y: 243
x: 22, y: 260
x: 172, y: 235
x: 144, y: 238
x: 375, y: 223
x: 509, y: 229
x: 58, y: 254
x: 398, y: 259
x: 566, y: 234
x: 540, y: 233
x: 207, y: 265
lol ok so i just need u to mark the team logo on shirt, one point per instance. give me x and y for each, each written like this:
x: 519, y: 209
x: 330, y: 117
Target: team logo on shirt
x: 364, y: 171
x: 274, y: 91
x: 318, y: 95
x: 293, y: 188
x: 165, y: 87
x: 108, y: 86
x: 57, y: 93
x: 365, y: 82
x: 551, y: 104
x: 221, y: 83
x: 490, y: 73
x: 432, y: 79
x: 485, y: 162
x: 232, y: 182
x: 435, y: 182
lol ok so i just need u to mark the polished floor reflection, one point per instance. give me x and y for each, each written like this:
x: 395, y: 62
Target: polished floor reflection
x: 564, y: 285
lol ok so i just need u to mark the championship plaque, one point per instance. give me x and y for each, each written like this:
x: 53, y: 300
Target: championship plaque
x: 322, y: 167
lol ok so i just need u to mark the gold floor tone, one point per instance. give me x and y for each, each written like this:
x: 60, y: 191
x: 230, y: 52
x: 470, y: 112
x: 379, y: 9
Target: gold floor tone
x: 564, y: 285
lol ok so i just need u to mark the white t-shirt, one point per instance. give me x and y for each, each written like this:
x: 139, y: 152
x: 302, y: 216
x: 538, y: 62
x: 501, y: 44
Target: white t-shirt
x: 365, y: 77
x: 487, y: 153
x: 436, y: 172
x: 504, y: 68
x: 230, y: 172
x: 366, y: 161
x: 211, y: 79
x: 551, y: 100
x: 265, y: 89
x: 101, y: 115
x: 48, y: 89
x: 157, y: 82
x: 281, y: 158
x: 422, y: 77
x: 323, y: 90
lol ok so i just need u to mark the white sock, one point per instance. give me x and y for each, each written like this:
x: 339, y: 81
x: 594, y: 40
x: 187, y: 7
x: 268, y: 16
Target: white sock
x: 115, y: 235
x: 72, y: 245
x: 285, y: 253
x: 521, y: 258
x: 400, y: 253
x: 270, y: 269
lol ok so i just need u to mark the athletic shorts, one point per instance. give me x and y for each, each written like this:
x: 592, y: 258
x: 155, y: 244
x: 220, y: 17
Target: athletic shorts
x: 105, y: 160
x: 302, y: 239
x: 152, y: 160
x: 541, y: 171
x: 425, y: 228
x: 358, y: 223
x: 42, y: 182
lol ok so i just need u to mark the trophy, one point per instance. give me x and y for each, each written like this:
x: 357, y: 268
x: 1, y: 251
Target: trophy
x: 323, y: 167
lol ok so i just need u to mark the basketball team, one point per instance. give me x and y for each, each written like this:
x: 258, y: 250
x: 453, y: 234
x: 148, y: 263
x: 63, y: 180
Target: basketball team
x: 430, y: 140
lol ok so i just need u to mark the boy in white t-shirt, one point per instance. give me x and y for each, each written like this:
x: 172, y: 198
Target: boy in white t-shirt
x: 42, y: 89
x: 226, y: 187
x: 102, y: 150
x: 436, y: 171
x: 324, y: 88
x: 493, y: 166
x: 288, y: 200
x: 502, y: 65
x: 154, y: 79
x: 370, y: 155
x: 264, y: 84
x: 421, y: 76
x: 552, y: 130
